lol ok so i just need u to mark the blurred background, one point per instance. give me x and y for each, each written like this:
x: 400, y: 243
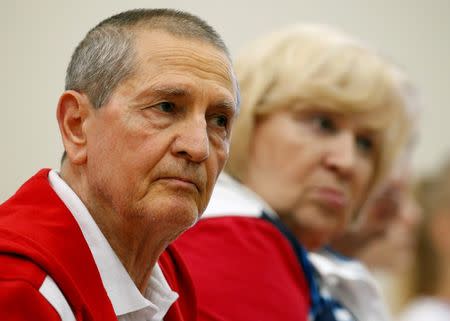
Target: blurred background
x: 38, y: 38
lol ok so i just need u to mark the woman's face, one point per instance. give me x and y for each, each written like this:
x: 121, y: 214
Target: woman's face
x: 314, y: 168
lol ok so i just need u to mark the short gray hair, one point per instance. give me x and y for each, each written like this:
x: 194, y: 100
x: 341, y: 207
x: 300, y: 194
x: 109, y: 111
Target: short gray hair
x: 105, y: 57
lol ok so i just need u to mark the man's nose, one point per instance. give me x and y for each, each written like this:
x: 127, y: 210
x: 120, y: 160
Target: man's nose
x: 192, y: 142
x: 340, y: 154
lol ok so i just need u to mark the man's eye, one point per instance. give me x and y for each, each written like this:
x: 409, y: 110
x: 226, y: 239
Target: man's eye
x: 165, y: 106
x: 324, y: 123
x: 220, y: 121
x: 365, y: 144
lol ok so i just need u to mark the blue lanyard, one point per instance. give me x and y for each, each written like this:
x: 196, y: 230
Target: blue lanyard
x: 321, y: 308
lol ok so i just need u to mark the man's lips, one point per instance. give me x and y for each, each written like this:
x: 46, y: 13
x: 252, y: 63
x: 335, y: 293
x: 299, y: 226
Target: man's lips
x: 182, y: 181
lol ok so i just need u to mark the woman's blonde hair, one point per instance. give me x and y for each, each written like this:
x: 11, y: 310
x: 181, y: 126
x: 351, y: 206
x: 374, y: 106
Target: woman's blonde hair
x: 318, y: 66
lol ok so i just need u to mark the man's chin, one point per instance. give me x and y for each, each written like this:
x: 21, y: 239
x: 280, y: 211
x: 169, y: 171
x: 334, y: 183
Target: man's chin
x: 184, y: 217
x: 179, y: 227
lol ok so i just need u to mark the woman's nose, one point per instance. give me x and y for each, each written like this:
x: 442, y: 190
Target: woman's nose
x: 341, y: 155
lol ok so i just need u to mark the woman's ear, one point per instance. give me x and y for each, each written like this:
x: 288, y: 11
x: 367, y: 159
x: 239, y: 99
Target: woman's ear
x: 73, y: 110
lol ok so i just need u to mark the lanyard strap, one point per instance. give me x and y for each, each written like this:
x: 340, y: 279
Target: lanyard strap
x: 322, y: 308
x: 305, y: 263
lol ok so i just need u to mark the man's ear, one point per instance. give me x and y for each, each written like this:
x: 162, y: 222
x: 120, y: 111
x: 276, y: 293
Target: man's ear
x: 72, y: 112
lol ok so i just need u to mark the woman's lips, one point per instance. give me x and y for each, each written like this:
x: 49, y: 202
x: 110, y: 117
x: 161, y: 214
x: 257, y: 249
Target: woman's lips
x: 331, y: 197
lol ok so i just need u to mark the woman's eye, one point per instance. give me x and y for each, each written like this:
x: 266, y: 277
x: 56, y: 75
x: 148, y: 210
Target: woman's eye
x: 165, y: 106
x: 365, y: 144
x: 324, y: 123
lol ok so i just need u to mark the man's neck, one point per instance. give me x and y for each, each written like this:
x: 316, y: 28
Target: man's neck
x: 138, y: 245
x: 138, y: 250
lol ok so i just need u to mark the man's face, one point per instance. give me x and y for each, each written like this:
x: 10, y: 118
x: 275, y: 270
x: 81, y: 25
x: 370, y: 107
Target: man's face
x: 154, y: 151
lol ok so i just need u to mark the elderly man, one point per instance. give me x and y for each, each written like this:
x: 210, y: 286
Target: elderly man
x: 145, y: 121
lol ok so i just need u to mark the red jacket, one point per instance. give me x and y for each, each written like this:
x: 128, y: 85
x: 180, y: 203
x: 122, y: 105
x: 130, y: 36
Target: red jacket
x: 40, y: 237
x: 244, y: 269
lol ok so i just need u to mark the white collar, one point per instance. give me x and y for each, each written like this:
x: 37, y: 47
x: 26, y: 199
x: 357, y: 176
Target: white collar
x: 352, y: 284
x: 329, y: 264
x: 231, y: 198
x: 123, y: 293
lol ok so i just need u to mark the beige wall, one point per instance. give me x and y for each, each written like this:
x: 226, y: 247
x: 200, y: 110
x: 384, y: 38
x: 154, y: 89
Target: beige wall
x: 37, y: 38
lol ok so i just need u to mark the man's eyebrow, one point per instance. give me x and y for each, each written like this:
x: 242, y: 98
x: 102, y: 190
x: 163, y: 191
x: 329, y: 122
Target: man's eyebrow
x: 180, y: 92
x: 226, y: 104
x: 163, y: 91
x: 171, y: 91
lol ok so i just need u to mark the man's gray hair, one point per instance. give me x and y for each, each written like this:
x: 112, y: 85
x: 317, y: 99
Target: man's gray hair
x: 105, y: 57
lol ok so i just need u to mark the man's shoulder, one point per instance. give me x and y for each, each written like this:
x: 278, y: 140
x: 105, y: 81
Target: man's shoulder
x: 21, y: 291
x: 18, y: 268
x: 35, y: 194
x: 38, y: 228
x: 34, y: 221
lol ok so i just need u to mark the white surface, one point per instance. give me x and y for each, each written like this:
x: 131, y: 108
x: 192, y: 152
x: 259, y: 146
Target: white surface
x: 38, y: 38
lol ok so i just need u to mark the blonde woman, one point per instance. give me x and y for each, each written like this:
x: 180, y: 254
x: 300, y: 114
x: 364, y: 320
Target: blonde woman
x: 322, y: 119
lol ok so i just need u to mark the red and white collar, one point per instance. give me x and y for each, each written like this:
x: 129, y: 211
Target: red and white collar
x: 125, y: 297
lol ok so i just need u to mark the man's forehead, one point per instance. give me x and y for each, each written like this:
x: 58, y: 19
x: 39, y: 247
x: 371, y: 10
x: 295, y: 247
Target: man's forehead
x: 159, y: 53
x: 145, y: 87
x: 159, y: 37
